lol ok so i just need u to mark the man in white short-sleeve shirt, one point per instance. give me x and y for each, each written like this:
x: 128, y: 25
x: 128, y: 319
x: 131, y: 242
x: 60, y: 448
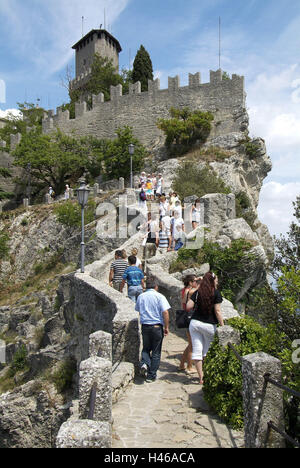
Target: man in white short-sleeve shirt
x: 154, y: 317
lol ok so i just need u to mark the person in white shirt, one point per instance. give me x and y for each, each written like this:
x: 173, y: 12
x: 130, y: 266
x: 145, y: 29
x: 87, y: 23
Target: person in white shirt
x: 196, y: 213
x: 166, y: 227
x: 67, y: 192
x: 143, y: 180
x: 163, y: 207
x: 178, y: 208
x: 177, y: 224
x: 159, y: 184
x: 138, y: 264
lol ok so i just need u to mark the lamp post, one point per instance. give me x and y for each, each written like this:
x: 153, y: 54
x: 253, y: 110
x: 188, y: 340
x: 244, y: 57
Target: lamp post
x: 82, y: 197
x: 131, y: 152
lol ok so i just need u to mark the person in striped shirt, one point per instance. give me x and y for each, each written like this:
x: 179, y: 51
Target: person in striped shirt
x: 117, y: 270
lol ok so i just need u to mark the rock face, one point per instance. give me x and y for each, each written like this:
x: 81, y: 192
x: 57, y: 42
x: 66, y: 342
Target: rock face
x: 31, y: 417
x: 242, y: 174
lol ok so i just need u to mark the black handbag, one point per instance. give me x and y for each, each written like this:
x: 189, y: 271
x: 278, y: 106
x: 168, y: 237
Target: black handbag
x: 182, y: 319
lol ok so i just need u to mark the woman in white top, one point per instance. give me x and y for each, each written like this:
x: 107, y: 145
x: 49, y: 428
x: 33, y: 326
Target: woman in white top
x: 196, y: 214
x: 163, y: 207
x: 67, y: 192
x: 138, y: 261
x: 159, y: 184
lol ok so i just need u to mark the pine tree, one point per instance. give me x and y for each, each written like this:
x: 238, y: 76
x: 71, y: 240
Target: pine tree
x: 142, y: 68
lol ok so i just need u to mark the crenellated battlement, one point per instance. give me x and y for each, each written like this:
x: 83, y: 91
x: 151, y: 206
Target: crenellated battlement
x: 141, y: 110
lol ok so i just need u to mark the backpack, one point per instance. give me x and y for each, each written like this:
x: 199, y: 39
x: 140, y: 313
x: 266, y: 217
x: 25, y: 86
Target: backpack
x: 142, y: 196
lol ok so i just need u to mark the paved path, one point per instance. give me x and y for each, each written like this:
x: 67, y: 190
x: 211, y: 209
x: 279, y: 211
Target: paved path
x: 171, y: 412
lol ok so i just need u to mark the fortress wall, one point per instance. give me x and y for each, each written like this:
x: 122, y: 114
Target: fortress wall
x: 225, y: 98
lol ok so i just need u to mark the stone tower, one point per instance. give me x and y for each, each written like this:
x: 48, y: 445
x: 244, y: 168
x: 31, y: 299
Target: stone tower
x: 97, y: 41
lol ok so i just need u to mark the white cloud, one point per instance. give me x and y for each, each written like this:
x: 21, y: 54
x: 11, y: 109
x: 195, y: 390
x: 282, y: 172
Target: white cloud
x: 275, y: 205
x: 49, y: 29
x: 8, y: 113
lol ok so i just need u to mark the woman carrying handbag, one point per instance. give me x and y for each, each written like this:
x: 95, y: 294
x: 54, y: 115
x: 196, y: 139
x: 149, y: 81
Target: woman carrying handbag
x: 190, y: 286
x: 206, y: 304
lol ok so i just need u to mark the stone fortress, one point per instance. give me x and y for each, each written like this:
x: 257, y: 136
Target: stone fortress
x: 224, y: 98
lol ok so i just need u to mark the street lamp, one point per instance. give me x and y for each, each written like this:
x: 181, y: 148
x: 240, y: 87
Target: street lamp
x: 131, y: 152
x: 82, y: 197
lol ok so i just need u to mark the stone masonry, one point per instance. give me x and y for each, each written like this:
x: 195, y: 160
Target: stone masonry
x: 224, y: 98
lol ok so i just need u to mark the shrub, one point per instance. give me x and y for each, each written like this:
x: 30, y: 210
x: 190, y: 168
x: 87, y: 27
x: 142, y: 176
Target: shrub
x: 19, y: 362
x: 185, y: 128
x: 223, y: 378
x: 50, y: 264
x: 62, y: 378
x: 227, y: 264
x: 69, y: 213
x: 191, y: 180
x: 252, y: 147
x: 244, y: 210
x: 4, y: 249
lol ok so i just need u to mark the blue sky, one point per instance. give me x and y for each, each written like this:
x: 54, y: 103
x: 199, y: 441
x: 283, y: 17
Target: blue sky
x: 260, y: 40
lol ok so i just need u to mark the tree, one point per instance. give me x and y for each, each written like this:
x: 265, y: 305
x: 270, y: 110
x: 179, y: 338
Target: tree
x: 54, y: 159
x: 191, y: 180
x: 5, y: 173
x: 117, y: 158
x: 31, y: 116
x: 142, y: 68
x: 103, y: 76
x: 286, y: 271
x: 280, y: 304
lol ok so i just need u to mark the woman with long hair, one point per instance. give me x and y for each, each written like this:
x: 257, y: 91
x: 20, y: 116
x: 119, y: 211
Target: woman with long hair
x: 206, y: 303
x: 190, y: 286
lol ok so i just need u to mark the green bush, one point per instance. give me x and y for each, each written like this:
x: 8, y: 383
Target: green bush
x: 227, y: 264
x: 4, y: 249
x: 185, y: 128
x: 243, y: 209
x: 191, y: 180
x: 69, y: 213
x: 252, y: 147
x: 62, y: 378
x: 223, y: 379
x: 19, y: 362
x: 50, y: 264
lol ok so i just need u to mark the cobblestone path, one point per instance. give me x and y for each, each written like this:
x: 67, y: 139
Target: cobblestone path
x: 171, y: 412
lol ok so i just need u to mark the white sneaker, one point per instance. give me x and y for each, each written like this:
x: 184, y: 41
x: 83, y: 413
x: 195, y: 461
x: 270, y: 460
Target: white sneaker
x: 144, y: 370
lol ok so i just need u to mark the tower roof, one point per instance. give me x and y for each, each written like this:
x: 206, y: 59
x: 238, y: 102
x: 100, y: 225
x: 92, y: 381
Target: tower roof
x: 98, y: 31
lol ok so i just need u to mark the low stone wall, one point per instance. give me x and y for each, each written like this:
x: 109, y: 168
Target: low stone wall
x: 90, y: 305
x: 105, y: 341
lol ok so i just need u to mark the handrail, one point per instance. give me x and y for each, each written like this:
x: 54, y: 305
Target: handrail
x: 230, y: 345
x: 282, y: 433
x: 283, y: 387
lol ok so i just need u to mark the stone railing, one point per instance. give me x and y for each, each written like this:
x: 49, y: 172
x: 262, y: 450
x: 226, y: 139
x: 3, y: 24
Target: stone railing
x: 105, y: 341
x: 262, y: 403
